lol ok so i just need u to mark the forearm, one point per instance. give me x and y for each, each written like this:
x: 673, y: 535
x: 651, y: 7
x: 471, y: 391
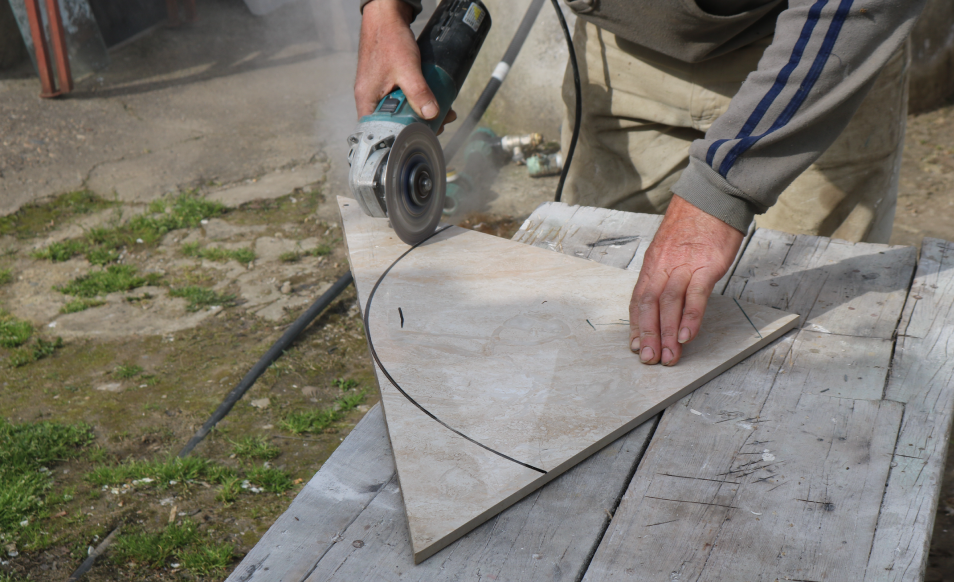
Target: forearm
x: 823, y: 60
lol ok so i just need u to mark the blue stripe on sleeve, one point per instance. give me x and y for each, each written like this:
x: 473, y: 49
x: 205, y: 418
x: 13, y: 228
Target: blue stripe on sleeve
x: 804, y: 89
x: 814, y: 13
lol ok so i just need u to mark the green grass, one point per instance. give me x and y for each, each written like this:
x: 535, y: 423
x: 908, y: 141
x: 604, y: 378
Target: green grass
x: 13, y: 332
x: 344, y: 384
x: 243, y: 255
x: 101, y: 245
x: 349, y: 402
x: 101, y: 256
x: 80, y: 304
x: 187, y: 210
x: 180, y: 541
x: 200, y: 297
x: 320, y: 420
x: 319, y: 251
x: 6, y: 276
x: 127, y: 371
x: 255, y: 447
x: 295, y: 256
x: 41, y: 349
x: 154, y: 549
x: 26, y: 490
x: 270, y: 479
x: 110, y: 280
x: 35, y: 219
x: 60, y: 251
x: 229, y: 491
x: 162, y: 471
x: 207, y: 559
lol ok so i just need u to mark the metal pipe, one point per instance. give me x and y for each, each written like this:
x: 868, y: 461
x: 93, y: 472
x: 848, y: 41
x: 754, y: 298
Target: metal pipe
x: 58, y: 40
x: 43, y: 66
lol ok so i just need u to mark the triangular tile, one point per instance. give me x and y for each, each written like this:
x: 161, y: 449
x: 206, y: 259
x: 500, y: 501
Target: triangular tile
x: 510, y: 365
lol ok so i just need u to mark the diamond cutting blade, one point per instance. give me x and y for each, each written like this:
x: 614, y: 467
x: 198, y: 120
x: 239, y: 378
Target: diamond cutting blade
x: 414, y: 183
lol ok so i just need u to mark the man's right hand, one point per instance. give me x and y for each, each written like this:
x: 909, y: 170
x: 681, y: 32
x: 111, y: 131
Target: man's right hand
x: 388, y: 58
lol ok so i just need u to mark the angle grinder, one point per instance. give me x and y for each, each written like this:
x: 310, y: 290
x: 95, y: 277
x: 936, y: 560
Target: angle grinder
x: 397, y: 164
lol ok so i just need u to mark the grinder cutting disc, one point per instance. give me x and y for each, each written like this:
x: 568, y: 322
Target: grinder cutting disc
x: 414, y: 183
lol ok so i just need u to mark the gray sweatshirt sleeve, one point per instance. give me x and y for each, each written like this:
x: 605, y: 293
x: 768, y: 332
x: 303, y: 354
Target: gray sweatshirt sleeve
x: 822, y: 62
x: 415, y: 4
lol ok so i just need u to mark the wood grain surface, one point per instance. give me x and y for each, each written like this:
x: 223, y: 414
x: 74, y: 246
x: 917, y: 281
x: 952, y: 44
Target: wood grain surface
x: 776, y: 469
x: 922, y: 378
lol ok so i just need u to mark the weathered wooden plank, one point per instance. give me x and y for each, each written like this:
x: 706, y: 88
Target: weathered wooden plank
x: 831, y: 464
x: 836, y: 286
x: 548, y: 535
x: 610, y: 237
x: 922, y: 378
x: 327, y: 505
x: 860, y: 363
x: 735, y: 463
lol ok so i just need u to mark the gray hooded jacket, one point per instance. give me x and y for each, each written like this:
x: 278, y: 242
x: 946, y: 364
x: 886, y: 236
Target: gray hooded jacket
x: 824, y: 58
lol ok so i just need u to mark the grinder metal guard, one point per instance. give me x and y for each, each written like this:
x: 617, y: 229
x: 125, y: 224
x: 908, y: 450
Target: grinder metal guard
x: 397, y: 164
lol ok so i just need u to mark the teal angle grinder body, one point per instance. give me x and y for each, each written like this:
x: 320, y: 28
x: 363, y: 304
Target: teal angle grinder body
x: 397, y: 165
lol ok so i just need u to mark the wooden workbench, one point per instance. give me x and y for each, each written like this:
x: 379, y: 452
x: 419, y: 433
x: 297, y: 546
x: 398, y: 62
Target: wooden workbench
x: 819, y: 458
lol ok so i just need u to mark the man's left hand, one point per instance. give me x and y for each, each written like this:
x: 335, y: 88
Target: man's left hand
x: 691, y: 251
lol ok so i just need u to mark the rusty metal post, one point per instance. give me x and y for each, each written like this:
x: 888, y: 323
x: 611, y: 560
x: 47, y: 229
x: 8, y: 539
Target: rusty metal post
x: 44, y: 68
x: 58, y: 40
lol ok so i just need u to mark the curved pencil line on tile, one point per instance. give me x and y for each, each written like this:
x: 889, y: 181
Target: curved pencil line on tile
x: 374, y: 354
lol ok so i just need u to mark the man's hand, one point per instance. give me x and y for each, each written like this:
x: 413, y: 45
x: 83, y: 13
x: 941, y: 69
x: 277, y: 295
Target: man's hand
x: 691, y: 251
x: 388, y: 57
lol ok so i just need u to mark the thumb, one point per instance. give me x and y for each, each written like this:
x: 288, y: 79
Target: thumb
x: 418, y: 94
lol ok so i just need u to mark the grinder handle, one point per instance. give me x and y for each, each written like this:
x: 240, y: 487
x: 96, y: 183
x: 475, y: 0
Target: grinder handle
x: 449, y: 44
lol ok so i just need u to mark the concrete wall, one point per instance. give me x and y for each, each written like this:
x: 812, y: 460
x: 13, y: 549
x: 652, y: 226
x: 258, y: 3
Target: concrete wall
x: 12, y: 49
x: 932, y: 59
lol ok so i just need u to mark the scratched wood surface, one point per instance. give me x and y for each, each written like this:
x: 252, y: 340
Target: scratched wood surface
x: 922, y: 377
x: 776, y: 469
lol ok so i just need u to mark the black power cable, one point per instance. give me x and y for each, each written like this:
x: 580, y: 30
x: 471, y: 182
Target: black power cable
x: 578, y: 115
x: 496, y: 79
x: 270, y: 356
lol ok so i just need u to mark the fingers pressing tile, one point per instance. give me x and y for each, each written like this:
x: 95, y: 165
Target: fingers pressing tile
x: 684, y: 335
x: 646, y: 354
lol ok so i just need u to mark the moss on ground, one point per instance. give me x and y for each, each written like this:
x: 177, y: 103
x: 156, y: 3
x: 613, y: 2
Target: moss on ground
x: 41, y: 218
x: 200, y: 297
x: 243, y: 255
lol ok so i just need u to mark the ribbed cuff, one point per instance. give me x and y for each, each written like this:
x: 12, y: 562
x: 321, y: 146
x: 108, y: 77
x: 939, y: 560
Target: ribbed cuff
x: 708, y: 191
x: 415, y: 4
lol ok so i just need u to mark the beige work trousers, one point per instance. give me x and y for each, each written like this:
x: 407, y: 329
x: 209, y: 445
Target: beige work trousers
x: 641, y: 110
